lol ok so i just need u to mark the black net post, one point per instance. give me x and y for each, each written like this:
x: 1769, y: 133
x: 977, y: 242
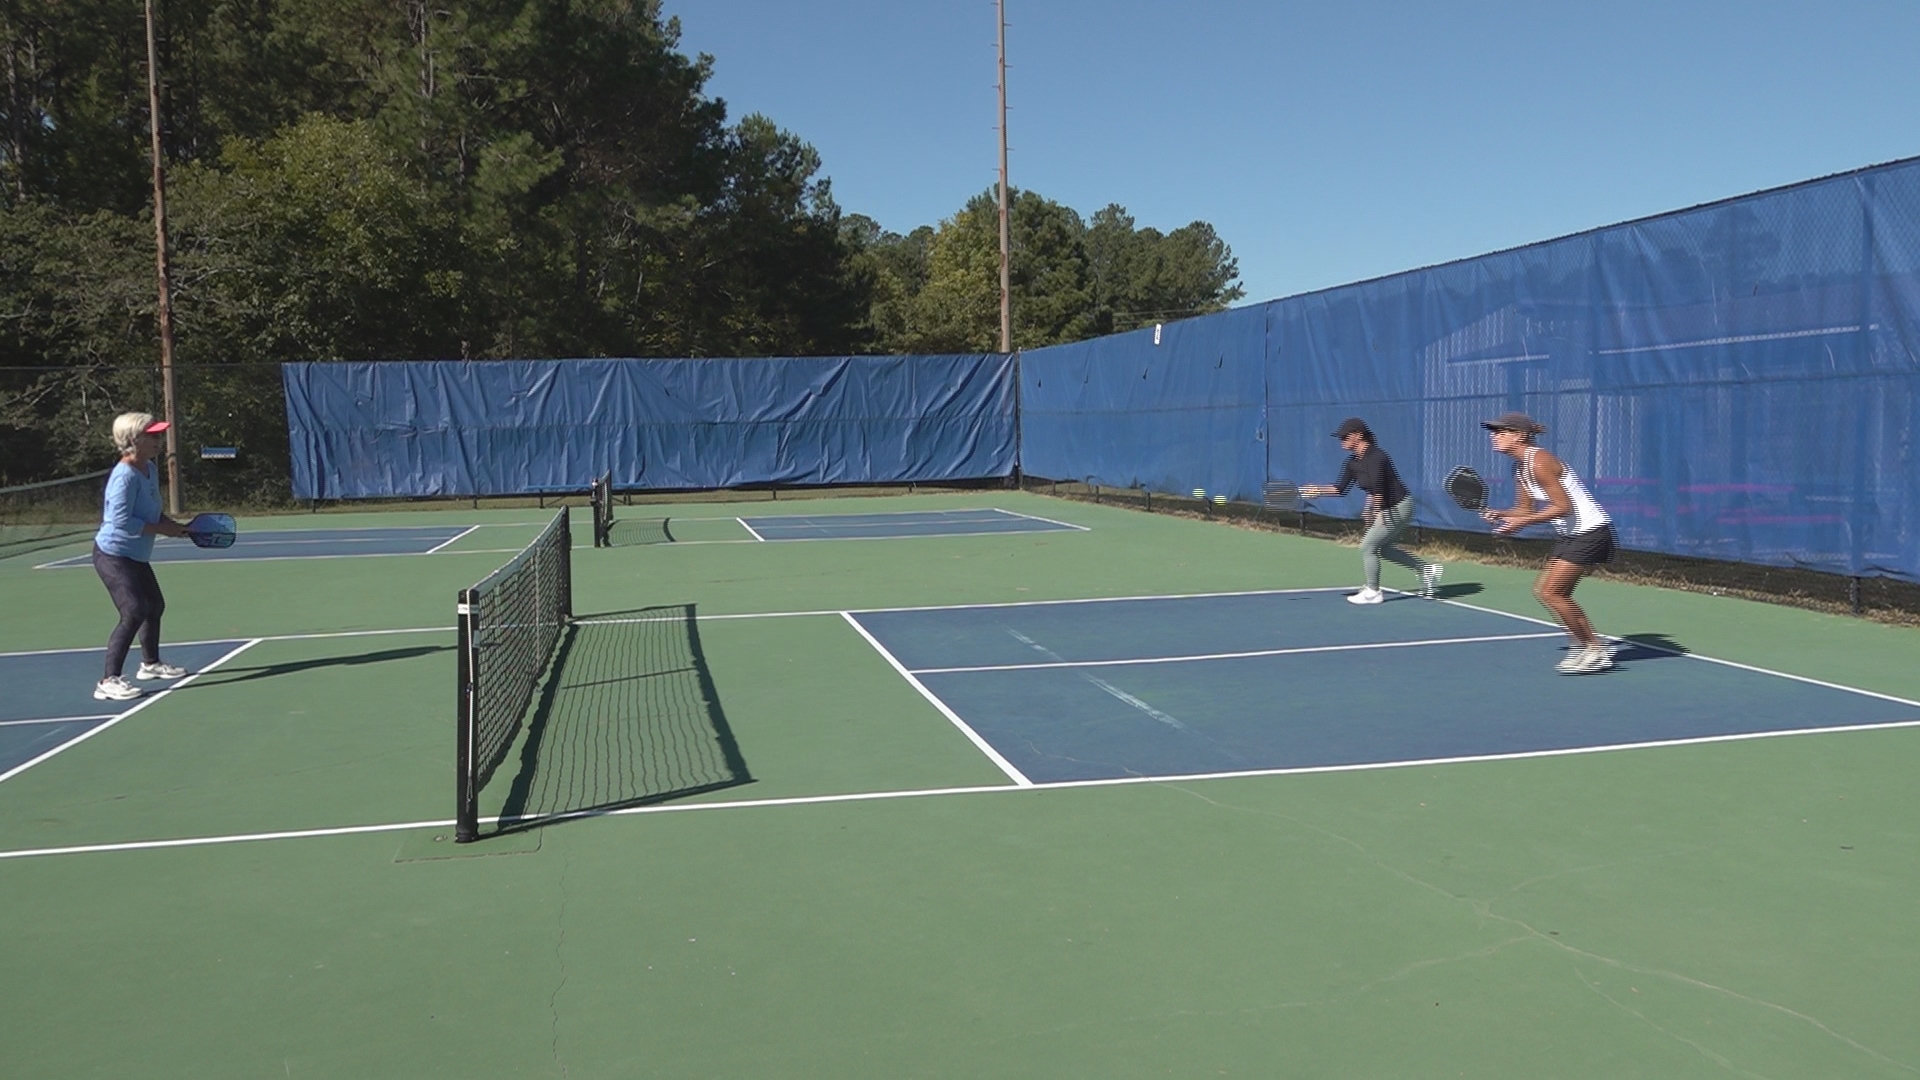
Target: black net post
x: 565, y: 552
x: 603, y: 510
x: 466, y: 826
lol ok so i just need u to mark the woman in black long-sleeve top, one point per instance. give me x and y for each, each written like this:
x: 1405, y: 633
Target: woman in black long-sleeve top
x: 1388, y: 512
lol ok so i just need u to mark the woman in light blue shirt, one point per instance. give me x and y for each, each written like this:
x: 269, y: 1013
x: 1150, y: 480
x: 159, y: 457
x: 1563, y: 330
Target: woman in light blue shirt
x: 123, y: 554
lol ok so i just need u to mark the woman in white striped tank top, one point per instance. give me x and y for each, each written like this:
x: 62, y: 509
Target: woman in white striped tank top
x: 1545, y: 489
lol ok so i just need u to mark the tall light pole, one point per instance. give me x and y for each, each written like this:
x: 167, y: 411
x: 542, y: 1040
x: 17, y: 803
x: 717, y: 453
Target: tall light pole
x: 1006, y: 243
x: 174, y: 502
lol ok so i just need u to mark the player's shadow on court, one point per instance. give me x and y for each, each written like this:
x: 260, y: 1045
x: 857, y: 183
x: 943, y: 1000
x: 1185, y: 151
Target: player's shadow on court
x: 225, y: 676
x: 1458, y: 590
x: 628, y: 716
x: 1634, y: 647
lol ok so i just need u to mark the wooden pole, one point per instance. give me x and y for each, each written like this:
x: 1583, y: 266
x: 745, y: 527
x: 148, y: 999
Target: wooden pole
x: 1006, y: 244
x: 174, y: 498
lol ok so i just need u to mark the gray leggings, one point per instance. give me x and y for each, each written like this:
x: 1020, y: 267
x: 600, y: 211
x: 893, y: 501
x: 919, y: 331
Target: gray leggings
x: 136, y: 592
x: 1377, y: 544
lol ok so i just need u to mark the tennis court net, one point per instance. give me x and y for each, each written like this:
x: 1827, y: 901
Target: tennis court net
x: 510, y: 625
x: 50, y: 513
x: 610, y: 530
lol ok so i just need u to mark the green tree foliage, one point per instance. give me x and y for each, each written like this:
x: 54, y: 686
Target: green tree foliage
x: 1144, y: 276
x: 76, y: 299
x: 361, y: 179
x: 938, y: 290
x: 380, y: 179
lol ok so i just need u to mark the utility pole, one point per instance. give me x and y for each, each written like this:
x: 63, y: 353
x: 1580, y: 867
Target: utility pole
x: 174, y: 501
x: 1006, y: 243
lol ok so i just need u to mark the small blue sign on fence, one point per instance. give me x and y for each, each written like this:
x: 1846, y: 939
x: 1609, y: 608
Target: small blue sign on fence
x: 219, y: 453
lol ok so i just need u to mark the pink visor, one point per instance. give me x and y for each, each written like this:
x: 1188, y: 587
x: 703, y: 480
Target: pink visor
x: 154, y: 428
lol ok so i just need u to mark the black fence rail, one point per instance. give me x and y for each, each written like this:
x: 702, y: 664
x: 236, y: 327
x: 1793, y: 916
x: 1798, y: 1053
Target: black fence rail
x: 1883, y: 599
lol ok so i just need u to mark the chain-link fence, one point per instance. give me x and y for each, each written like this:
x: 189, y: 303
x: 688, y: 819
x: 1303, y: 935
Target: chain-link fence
x: 1880, y: 598
x: 57, y: 422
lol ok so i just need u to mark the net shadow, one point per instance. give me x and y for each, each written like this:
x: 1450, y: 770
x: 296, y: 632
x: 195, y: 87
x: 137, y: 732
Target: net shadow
x: 637, y: 532
x: 628, y: 717
x: 225, y: 676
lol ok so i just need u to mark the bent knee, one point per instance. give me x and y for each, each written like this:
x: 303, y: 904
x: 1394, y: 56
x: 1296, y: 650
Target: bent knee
x: 135, y: 614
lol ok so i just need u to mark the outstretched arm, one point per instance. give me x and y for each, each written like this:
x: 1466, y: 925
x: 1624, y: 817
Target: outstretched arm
x: 1338, y: 487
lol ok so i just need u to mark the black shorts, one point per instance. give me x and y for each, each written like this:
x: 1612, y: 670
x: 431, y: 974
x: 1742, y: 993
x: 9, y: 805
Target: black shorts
x: 1590, y: 548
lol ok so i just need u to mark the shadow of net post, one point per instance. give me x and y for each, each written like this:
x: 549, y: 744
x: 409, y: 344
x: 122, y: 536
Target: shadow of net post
x: 1649, y: 647
x: 628, y: 717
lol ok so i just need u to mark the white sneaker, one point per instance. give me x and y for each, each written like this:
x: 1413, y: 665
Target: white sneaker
x: 1594, y: 658
x: 1570, y: 663
x: 160, y: 671
x: 115, y: 688
x: 1366, y: 596
x: 1430, y: 579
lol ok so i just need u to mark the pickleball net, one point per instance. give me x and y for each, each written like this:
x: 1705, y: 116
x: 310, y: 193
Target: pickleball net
x: 50, y: 513
x: 610, y: 530
x: 510, y: 625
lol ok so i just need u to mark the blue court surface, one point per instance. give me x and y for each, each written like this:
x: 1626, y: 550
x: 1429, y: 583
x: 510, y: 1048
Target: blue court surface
x: 301, y: 544
x: 1299, y: 680
x: 900, y: 525
x: 49, y: 701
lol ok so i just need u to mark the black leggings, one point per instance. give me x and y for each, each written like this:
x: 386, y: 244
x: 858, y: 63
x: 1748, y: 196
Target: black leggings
x: 136, y: 592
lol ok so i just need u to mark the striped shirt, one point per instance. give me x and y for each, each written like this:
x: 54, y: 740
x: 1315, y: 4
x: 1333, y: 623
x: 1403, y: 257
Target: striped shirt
x: 1587, y: 514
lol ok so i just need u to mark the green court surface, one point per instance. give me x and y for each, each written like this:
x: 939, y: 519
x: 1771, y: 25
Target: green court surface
x: 874, y: 897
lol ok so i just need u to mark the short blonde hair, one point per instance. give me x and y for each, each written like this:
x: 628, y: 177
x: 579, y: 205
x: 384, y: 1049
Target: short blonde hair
x: 129, y: 426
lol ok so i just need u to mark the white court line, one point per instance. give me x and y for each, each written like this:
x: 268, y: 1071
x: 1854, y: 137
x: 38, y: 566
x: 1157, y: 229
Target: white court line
x: 455, y: 539
x: 358, y: 633
x: 257, y: 638
x: 973, y: 736
x: 750, y: 530
x: 922, y: 793
x: 143, y: 703
x: 56, y: 720
x: 404, y: 528
x: 290, y: 537
x: 1037, y: 517
x: 776, y: 504
x: 69, y: 564
x: 293, y: 538
x: 1697, y: 656
x: 1090, y: 600
x: 1233, y: 655
x: 994, y: 604
x: 235, y: 838
x: 843, y: 539
x: 892, y: 517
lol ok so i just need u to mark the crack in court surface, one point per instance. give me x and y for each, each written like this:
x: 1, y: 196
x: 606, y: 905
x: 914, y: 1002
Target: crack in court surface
x: 1710, y: 1055
x: 560, y: 958
x: 1484, y: 909
x: 1108, y: 688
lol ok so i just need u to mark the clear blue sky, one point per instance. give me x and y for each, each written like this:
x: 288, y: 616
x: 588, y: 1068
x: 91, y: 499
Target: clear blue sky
x: 1327, y: 142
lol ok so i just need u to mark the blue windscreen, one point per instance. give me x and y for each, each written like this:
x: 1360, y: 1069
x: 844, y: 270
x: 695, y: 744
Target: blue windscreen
x: 362, y: 430
x: 1736, y: 381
